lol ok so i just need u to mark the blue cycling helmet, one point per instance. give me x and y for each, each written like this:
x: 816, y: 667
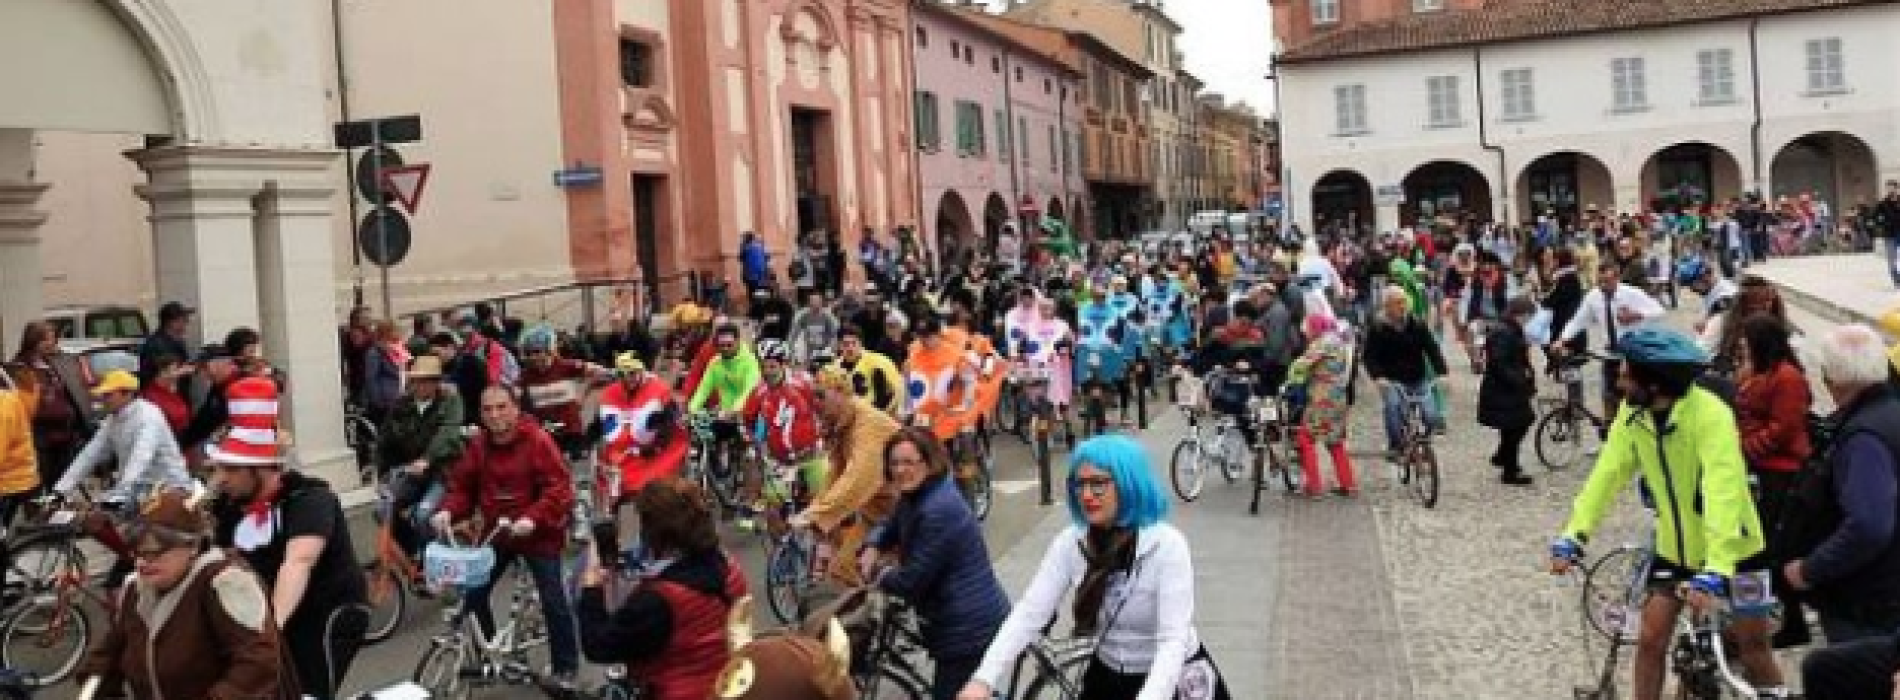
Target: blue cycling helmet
x: 1690, y: 270
x: 1660, y: 346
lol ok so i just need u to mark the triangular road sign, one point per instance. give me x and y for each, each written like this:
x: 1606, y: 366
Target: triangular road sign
x: 405, y: 183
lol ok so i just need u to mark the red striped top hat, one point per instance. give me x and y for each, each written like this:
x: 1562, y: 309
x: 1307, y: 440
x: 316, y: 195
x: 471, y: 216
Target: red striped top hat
x: 252, y: 437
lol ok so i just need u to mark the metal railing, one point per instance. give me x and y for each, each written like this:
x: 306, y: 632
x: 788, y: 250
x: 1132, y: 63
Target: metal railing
x: 584, y: 303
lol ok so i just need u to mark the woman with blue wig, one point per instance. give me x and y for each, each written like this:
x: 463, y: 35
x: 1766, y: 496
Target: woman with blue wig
x: 1134, y: 587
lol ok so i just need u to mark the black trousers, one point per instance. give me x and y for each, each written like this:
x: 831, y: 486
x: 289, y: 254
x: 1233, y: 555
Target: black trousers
x: 1100, y: 682
x: 1510, y: 445
x: 1858, y: 670
x: 322, y: 642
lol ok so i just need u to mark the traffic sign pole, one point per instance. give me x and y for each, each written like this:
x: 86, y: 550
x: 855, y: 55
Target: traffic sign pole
x: 382, y: 222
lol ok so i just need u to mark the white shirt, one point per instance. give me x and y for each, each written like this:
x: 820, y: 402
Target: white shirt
x: 1590, y: 314
x: 1147, y: 617
x: 140, y: 439
x: 1317, y: 266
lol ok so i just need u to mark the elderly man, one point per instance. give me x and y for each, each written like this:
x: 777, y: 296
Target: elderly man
x: 1841, y: 525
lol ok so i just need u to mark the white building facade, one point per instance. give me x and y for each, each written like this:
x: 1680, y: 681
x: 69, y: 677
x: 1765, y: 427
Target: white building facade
x: 1388, y: 128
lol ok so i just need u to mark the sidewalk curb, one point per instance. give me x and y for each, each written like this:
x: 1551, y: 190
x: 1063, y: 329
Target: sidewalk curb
x: 1815, y: 304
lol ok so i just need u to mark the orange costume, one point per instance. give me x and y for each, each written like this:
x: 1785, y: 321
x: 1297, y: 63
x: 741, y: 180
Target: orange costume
x: 937, y: 381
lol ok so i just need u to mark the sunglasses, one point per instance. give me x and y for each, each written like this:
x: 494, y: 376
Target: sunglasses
x: 1093, y: 486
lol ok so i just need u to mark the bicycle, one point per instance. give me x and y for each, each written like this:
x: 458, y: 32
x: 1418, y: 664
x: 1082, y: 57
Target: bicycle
x: 714, y: 463
x: 1418, y: 462
x: 1560, y: 432
x: 796, y: 557
x: 1268, y: 413
x: 391, y: 577
x: 462, y: 657
x: 887, y: 668
x: 1226, y: 446
x: 54, y: 609
x: 1031, y: 381
x: 975, y: 470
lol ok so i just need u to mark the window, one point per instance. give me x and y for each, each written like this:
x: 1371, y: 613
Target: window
x: 1002, y: 134
x: 1054, y: 148
x: 1349, y: 109
x: 929, y: 135
x: 1048, y: 87
x: 1325, y: 11
x: 1427, y: 5
x: 636, y: 63
x: 996, y: 65
x: 1826, y: 69
x: 1441, y: 96
x: 1022, y: 132
x: 970, y: 142
x: 1715, y: 72
x: 1520, y: 99
x: 923, y: 38
x: 956, y: 49
x: 1019, y: 74
x: 1628, y: 93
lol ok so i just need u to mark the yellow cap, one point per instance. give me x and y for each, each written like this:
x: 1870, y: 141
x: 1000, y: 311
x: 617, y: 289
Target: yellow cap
x: 1890, y: 321
x: 115, y: 380
x: 628, y: 363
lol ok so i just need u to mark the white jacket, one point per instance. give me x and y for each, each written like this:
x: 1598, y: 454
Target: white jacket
x: 1146, y: 621
x: 148, y: 455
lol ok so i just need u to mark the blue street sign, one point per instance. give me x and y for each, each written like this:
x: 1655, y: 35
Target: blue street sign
x: 579, y: 176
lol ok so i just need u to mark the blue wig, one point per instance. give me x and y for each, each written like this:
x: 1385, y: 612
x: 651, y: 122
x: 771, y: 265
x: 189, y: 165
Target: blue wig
x: 1142, y: 502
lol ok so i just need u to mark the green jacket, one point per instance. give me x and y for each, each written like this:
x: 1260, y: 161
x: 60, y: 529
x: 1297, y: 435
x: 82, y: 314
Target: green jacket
x: 409, y: 433
x: 734, y: 379
x: 1705, y: 516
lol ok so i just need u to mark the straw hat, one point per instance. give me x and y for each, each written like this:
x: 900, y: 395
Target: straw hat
x: 425, y: 367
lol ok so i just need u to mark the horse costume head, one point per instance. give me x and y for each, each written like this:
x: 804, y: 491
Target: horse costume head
x: 809, y: 663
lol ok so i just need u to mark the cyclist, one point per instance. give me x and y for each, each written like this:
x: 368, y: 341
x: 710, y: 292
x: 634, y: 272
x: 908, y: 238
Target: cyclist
x: 782, y: 415
x: 941, y: 379
x: 514, y: 471
x: 855, y: 431
x: 553, y: 387
x: 217, y: 641
x: 137, y: 437
x: 1682, y: 439
x: 419, y: 441
x: 290, y: 529
x: 1619, y: 309
x: 642, y: 435
x: 1718, y: 293
x: 730, y: 377
x: 1239, y: 348
x: 873, y: 376
x: 1102, y: 340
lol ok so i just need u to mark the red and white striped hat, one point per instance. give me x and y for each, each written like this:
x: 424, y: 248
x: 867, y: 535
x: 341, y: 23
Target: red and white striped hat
x: 252, y: 435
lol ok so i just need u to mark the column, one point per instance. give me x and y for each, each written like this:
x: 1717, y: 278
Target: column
x: 21, y: 273
x: 203, y: 245
x: 298, y: 303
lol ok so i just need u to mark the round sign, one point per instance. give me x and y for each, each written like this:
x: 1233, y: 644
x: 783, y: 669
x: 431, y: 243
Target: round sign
x: 369, y: 181
x: 384, y: 236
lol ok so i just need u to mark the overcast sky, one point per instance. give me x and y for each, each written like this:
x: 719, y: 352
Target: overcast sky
x: 1229, y: 44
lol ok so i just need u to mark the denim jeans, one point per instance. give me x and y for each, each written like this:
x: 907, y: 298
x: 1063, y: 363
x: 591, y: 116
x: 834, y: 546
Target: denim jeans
x: 563, y: 633
x: 1395, y: 410
x: 1892, y: 248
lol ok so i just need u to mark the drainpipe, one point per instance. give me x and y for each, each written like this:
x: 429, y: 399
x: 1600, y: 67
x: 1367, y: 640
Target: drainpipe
x: 1754, y: 129
x: 925, y: 210
x: 343, y: 115
x: 1484, y: 139
x: 1009, y: 133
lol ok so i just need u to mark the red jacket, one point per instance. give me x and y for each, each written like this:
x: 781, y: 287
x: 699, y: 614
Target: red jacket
x: 526, y: 478
x: 1771, y: 412
x: 791, y: 418
x: 699, y: 648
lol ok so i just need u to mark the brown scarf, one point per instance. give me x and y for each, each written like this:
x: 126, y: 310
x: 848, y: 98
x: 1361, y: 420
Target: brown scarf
x: 1106, y: 551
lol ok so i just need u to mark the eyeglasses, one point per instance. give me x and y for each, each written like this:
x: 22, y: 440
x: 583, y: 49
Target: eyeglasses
x: 1093, y: 485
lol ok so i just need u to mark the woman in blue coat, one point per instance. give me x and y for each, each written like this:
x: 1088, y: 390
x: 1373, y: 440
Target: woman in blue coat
x: 942, y: 568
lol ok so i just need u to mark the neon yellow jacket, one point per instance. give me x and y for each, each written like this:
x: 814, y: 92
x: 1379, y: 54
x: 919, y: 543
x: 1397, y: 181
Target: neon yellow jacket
x: 1705, y: 517
x: 733, y: 379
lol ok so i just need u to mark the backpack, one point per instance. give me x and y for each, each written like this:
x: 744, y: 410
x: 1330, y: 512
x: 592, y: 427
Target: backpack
x: 510, y: 366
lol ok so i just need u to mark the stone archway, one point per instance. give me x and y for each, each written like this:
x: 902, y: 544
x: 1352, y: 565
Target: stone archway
x: 239, y: 175
x: 1340, y: 197
x: 1833, y: 167
x: 1564, y: 184
x: 1445, y: 189
x: 955, y: 229
x: 1689, y: 174
x: 995, y: 216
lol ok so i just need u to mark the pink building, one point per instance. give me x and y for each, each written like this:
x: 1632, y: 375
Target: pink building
x: 998, y: 124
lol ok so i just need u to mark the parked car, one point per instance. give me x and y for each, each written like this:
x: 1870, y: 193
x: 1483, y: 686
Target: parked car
x: 108, y: 335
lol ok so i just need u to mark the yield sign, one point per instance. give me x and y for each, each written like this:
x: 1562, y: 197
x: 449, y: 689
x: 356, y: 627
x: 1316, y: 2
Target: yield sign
x: 405, y: 183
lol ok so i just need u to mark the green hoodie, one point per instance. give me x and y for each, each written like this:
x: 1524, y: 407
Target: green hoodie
x: 734, y: 379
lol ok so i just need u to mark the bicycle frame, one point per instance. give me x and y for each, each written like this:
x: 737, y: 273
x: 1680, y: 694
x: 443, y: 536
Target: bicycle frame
x: 501, y: 655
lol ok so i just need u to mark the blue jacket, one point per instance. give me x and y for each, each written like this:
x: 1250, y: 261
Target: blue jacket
x: 944, y: 570
x: 753, y: 261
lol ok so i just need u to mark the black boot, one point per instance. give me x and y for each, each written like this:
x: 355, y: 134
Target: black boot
x: 1514, y: 476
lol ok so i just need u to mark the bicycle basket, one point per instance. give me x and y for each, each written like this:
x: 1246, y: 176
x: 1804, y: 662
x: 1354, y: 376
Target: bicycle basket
x: 446, y: 564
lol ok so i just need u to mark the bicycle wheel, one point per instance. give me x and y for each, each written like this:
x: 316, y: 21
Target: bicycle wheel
x: 1184, y: 469
x: 1612, y: 597
x: 980, y: 488
x: 1289, y: 476
x: 891, y: 683
x: 388, y: 601
x: 1233, y: 456
x: 45, y: 637
x: 1559, y: 438
x: 1423, y: 461
x: 1259, y: 480
x: 1009, y: 415
x: 360, y: 434
x: 440, y: 672
x: 39, y: 560
x: 788, y: 580
x: 1066, y: 682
